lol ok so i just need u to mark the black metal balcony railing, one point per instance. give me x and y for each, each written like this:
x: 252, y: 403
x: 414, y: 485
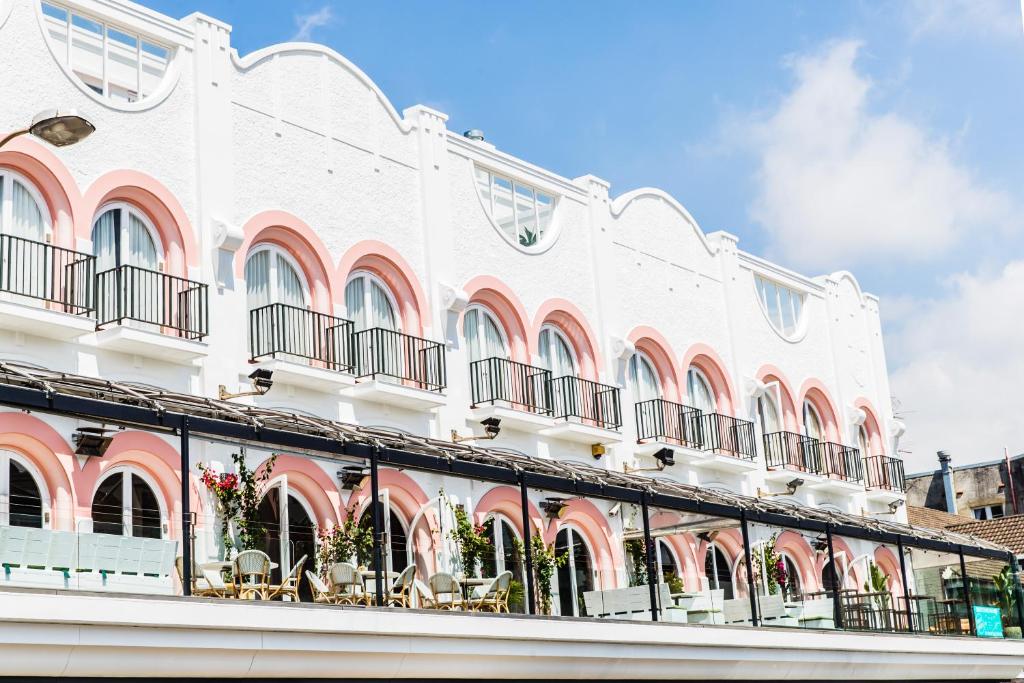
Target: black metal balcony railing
x: 841, y: 462
x: 174, y: 304
x: 380, y: 352
x: 48, y: 273
x: 667, y: 421
x: 884, y: 472
x: 586, y: 400
x: 290, y: 332
x: 726, y: 435
x: 504, y: 382
x: 792, y: 451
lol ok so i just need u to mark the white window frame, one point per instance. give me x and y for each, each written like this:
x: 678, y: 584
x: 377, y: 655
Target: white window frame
x: 274, y: 252
x: 553, y: 331
x: 545, y: 240
x: 570, y: 563
x: 730, y: 565
x: 635, y: 360
x: 659, y: 545
x: 482, y: 312
x: 9, y: 175
x: 371, y: 277
x: 799, y: 327
x: 499, y: 542
x: 6, y: 457
x: 810, y: 408
x: 386, y: 510
x: 704, y: 378
x: 773, y: 394
x: 284, y: 492
x: 127, y: 208
x: 127, y: 521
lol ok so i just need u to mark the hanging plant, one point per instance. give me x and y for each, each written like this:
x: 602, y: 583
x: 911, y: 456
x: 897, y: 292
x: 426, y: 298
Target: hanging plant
x: 343, y: 542
x: 545, y: 561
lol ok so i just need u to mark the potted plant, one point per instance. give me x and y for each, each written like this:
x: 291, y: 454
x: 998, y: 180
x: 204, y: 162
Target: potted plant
x: 343, y: 542
x: 472, y: 540
x: 1007, y: 596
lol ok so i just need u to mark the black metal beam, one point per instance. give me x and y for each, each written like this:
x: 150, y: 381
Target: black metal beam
x: 837, y: 605
x: 749, y: 565
x: 650, y: 568
x: 967, y: 591
x: 186, y: 511
x: 524, y: 504
x: 378, y: 526
x: 906, y: 585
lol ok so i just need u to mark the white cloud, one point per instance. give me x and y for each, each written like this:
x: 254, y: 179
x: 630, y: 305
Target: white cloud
x: 960, y: 369
x: 305, y: 24
x: 839, y: 185
x: 965, y: 18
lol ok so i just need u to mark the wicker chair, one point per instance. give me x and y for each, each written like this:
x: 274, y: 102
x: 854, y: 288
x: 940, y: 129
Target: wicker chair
x: 290, y: 585
x: 400, y: 593
x: 321, y: 592
x: 252, y: 574
x: 446, y: 592
x: 206, y: 583
x: 495, y: 598
x: 347, y: 584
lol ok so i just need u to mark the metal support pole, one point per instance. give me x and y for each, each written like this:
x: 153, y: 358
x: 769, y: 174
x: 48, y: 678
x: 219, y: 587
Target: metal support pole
x: 906, y: 585
x: 186, y: 512
x: 967, y: 590
x: 1018, y: 592
x: 378, y: 526
x: 755, y: 619
x: 524, y: 503
x: 652, y: 571
x: 837, y: 606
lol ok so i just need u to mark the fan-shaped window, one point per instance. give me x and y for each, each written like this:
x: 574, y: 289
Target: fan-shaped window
x: 522, y: 214
x: 576, y: 576
x: 783, y: 306
x: 484, y: 335
x: 643, y: 378
x: 21, y: 499
x: 369, y: 303
x: 123, y: 236
x: 22, y: 211
x: 124, y: 504
x: 812, y: 422
x: 115, y: 63
x: 698, y: 389
x: 272, y: 277
x: 718, y: 572
x: 556, y: 352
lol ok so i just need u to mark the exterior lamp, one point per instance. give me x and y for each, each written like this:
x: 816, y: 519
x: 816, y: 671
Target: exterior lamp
x: 351, y: 477
x: 58, y: 127
x: 554, y: 507
x: 491, y: 425
x: 91, y: 441
x: 791, y: 487
x: 891, y: 508
x: 664, y: 456
x: 261, y: 383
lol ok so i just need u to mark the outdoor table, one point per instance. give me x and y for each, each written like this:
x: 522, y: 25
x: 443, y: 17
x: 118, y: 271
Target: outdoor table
x: 369, y: 577
x: 470, y: 582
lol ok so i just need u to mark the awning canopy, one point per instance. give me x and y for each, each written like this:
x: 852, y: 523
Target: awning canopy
x: 147, y: 407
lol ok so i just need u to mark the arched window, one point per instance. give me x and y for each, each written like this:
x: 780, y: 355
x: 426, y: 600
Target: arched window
x: 125, y: 505
x: 22, y: 210
x: 369, y: 302
x: 791, y: 584
x: 768, y: 413
x: 290, y: 531
x: 556, y: 352
x: 829, y: 578
x: 863, y: 441
x: 21, y: 499
x: 396, y: 552
x: 506, y: 556
x: 718, y: 572
x: 123, y: 236
x: 643, y: 378
x: 484, y: 335
x: 812, y: 422
x: 576, y: 576
x: 698, y: 389
x: 272, y: 277
x: 668, y: 563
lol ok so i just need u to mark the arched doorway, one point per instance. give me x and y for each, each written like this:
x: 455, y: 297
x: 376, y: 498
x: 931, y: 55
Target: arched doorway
x: 126, y: 505
x: 21, y: 493
x: 290, y: 533
x: 506, y: 555
x: 576, y: 576
x: 717, y: 571
x: 395, y: 547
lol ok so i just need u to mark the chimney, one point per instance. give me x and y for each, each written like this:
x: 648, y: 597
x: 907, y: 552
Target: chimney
x: 947, y: 481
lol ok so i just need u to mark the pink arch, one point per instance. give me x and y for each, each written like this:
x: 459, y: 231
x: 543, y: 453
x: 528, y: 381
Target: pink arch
x: 570, y: 320
x: 53, y: 181
x: 387, y: 264
x: 730, y: 541
x: 889, y: 563
x: 295, y: 237
x: 52, y: 456
x: 313, y: 484
x: 506, y: 500
x: 150, y: 196
x: 872, y: 424
x: 711, y: 364
x: 839, y: 545
x: 770, y: 373
x: 609, y: 556
x: 799, y: 550
x: 816, y: 392
x: 499, y: 298
x: 684, y: 546
x: 656, y: 347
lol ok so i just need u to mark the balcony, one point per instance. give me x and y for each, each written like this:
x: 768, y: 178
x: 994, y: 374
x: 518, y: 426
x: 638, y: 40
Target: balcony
x: 149, y: 313
x: 302, y: 347
x: 46, y: 290
x: 517, y: 394
x: 729, y: 442
x: 789, y: 451
x: 591, y: 411
x: 398, y: 369
x: 664, y: 424
x: 841, y: 467
x: 884, y: 475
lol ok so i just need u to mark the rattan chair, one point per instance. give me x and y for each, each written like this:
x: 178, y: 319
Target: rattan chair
x: 206, y: 583
x: 321, y: 592
x: 252, y: 575
x: 495, y: 598
x: 446, y: 592
x: 347, y: 584
x: 290, y: 585
x: 400, y: 593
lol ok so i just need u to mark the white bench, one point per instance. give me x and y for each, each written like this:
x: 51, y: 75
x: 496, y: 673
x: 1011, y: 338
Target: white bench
x: 771, y: 611
x: 818, y: 614
x: 631, y: 603
x: 706, y: 607
x: 44, y: 557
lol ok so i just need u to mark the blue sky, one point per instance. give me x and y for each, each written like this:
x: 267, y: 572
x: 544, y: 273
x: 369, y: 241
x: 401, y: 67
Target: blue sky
x: 881, y: 137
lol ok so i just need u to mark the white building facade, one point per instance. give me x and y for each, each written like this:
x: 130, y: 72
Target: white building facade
x: 275, y: 211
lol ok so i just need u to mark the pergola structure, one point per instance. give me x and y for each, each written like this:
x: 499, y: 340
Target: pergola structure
x: 125, y: 404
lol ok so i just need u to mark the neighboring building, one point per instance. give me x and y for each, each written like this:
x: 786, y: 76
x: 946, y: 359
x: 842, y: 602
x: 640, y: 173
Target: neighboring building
x: 984, y: 490
x: 394, y: 285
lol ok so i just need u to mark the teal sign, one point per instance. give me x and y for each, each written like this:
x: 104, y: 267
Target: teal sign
x: 988, y: 621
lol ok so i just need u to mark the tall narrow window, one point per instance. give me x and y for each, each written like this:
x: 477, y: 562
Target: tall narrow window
x: 718, y: 572
x: 643, y: 378
x: 768, y: 413
x: 698, y: 388
x: 21, y: 500
x: 812, y: 422
x: 21, y: 208
x: 576, y: 576
x: 483, y: 333
x: 555, y: 352
x: 125, y: 505
x: 271, y: 277
x: 369, y: 303
x: 123, y: 236
x: 863, y: 441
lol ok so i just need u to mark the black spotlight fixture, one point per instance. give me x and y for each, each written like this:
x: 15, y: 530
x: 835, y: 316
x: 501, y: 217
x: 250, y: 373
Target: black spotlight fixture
x: 91, y: 441
x: 491, y: 425
x: 665, y: 456
x: 554, y: 507
x: 351, y: 477
x: 260, y: 379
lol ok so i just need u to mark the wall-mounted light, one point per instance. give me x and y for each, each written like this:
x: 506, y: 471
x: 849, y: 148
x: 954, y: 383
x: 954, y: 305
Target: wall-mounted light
x: 597, y: 450
x: 791, y: 487
x: 708, y: 536
x: 891, y: 508
x: 58, y: 127
x: 554, y: 507
x: 492, y: 427
x: 351, y: 477
x: 260, y: 379
x: 91, y: 441
x: 665, y: 458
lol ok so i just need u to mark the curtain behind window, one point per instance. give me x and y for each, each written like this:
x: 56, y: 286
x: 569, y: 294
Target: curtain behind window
x: 26, y: 219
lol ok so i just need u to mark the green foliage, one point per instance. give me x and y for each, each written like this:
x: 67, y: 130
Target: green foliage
x: 675, y: 583
x: 545, y: 561
x: 878, y: 582
x: 342, y: 542
x: 516, y: 597
x: 238, y: 497
x: 767, y: 559
x: 528, y: 238
x: 472, y: 540
x: 1005, y: 591
x: 637, y: 550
